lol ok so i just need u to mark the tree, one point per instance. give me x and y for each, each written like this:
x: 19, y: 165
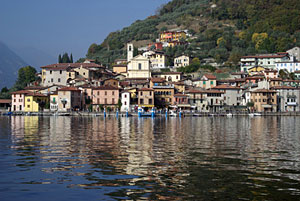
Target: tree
x: 26, y: 75
x: 65, y: 58
x: 59, y: 59
x: 4, y: 90
x: 71, y: 58
x: 119, y: 104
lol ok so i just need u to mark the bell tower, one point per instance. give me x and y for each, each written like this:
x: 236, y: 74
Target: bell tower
x: 129, y: 52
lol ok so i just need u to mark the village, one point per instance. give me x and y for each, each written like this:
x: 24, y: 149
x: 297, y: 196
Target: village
x: 141, y: 81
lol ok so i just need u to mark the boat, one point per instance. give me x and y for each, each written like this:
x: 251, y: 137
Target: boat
x: 229, y: 115
x: 254, y: 114
x: 173, y: 114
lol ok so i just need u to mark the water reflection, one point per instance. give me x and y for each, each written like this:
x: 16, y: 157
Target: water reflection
x: 169, y: 159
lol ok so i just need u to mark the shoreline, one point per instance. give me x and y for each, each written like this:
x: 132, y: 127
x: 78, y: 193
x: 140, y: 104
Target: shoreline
x: 135, y: 114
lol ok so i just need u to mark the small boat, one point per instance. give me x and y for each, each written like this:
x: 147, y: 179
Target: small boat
x: 254, y: 114
x: 173, y: 114
x: 229, y: 115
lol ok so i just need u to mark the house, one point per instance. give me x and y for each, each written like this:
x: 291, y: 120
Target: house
x: 157, y: 59
x: 275, y: 82
x: 181, y: 101
x: 232, y: 95
x: 179, y: 86
x: 120, y: 68
x: 35, y: 102
x: 111, y: 82
x: 169, y: 36
x: 169, y: 76
x: 54, y: 102
x: 146, y: 98
x: 139, y: 67
x: 69, y: 98
x: 163, y: 95
x: 294, y: 53
x: 125, y: 100
x: 181, y: 61
x: 157, y: 81
x: 270, y: 74
x: 107, y: 96
x: 207, y: 81
x: 197, y: 99
x: 290, y: 66
x: 264, y: 100
x: 18, y: 100
x: 156, y: 46
x: 287, y: 98
x: 5, y: 104
x: 120, y: 61
x: 215, y: 100
x: 264, y: 60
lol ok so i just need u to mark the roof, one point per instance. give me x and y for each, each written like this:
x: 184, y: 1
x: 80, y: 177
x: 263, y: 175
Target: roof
x: 210, y: 77
x: 166, y: 73
x: 71, y: 65
x: 180, y: 95
x: 254, y: 78
x: 158, y: 79
x: 225, y: 86
x: 276, y: 79
x: 105, y: 87
x: 120, y: 65
x: 35, y: 88
x: 263, y: 91
x: 213, y: 91
x: 284, y: 87
x: 266, y: 56
x: 69, y: 89
x: 5, y: 101
x: 35, y: 94
x: 195, y: 91
x: 145, y: 89
x: 20, y: 92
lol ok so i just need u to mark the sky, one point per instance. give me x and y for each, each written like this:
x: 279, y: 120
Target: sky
x: 58, y: 26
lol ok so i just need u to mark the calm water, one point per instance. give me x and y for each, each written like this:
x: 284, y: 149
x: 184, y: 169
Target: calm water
x: 65, y: 158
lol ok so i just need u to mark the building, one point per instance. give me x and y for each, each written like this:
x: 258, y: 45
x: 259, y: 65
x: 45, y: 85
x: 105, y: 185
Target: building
x: 18, y: 100
x: 106, y: 96
x: 168, y: 76
x: 181, y: 101
x: 163, y: 95
x: 54, y: 102
x: 5, y: 104
x: 294, y: 53
x: 35, y: 102
x: 125, y: 100
x: 111, y: 82
x: 264, y: 100
x: 157, y: 81
x: 206, y: 82
x: 146, y: 98
x: 181, y: 61
x: 215, y: 100
x: 264, y: 60
x: 69, y: 99
x: 287, y: 98
x: 290, y: 66
x: 139, y: 67
x: 169, y: 36
x: 120, y: 68
x: 157, y: 59
x: 232, y: 95
x: 197, y: 100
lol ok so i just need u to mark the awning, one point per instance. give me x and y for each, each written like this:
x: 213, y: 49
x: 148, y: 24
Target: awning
x: 146, y: 105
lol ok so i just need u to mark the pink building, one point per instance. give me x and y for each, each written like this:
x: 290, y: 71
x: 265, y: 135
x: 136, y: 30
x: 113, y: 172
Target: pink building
x: 107, y: 96
x: 18, y: 100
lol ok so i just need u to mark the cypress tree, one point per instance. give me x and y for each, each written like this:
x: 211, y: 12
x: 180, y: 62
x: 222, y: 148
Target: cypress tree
x: 71, y: 58
x: 65, y: 58
x: 59, y: 59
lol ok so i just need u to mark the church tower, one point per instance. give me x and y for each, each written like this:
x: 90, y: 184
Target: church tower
x: 129, y: 52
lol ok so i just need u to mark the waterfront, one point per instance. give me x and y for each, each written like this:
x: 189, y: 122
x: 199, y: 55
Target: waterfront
x: 205, y: 158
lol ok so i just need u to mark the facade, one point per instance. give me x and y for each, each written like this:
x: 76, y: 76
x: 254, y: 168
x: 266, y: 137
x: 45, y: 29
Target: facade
x: 55, y: 75
x: 264, y: 100
x: 197, y: 100
x: 35, y: 102
x: 54, y: 102
x: 163, y: 95
x: 157, y: 59
x: 264, y: 60
x: 206, y: 82
x: 169, y: 36
x: 125, y: 100
x: 232, y: 95
x: 181, y: 101
x: 182, y: 61
x: 215, y: 100
x: 111, y: 82
x: 120, y: 68
x: 18, y: 100
x: 5, y: 104
x: 146, y: 98
x: 290, y: 66
x: 69, y: 98
x: 107, y: 96
x: 294, y: 53
x: 139, y: 67
x: 287, y: 98
x: 168, y: 76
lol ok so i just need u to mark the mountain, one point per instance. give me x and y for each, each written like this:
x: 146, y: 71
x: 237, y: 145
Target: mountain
x: 35, y: 57
x: 222, y: 29
x: 10, y: 63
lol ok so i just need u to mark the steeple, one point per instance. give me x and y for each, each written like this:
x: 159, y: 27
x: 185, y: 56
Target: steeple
x: 129, y: 51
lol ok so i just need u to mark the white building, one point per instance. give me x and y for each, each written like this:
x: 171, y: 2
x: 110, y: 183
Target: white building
x: 181, y: 61
x: 288, y: 65
x: 125, y: 99
x: 157, y: 59
x: 294, y: 53
x: 265, y: 60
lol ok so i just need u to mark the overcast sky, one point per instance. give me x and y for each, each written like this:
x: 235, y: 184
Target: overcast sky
x: 57, y: 26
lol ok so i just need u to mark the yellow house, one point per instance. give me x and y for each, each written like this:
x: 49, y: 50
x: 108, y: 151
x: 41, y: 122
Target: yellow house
x: 35, y: 102
x: 255, y: 70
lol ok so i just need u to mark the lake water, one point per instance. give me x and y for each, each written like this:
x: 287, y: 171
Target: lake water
x: 202, y: 158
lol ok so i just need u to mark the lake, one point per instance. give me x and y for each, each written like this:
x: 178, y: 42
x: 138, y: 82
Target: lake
x: 193, y: 158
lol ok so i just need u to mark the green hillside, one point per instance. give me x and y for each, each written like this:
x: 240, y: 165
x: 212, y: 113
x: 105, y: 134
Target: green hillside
x: 222, y: 29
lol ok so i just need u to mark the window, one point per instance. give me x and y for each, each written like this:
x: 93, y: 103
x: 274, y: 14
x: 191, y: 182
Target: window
x: 150, y: 101
x: 105, y: 93
x: 98, y: 93
x: 125, y: 96
x: 60, y: 72
x: 176, y: 76
x: 98, y: 101
x: 211, y: 82
x: 113, y: 93
x: 105, y: 101
x: 50, y: 71
x: 51, y: 79
x: 28, y: 99
x: 83, y: 73
x: 141, y: 101
x: 204, y: 82
x: 140, y: 66
x: 113, y: 101
x: 28, y: 106
x: 58, y: 79
x: 141, y: 93
x: 150, y: 93
x: 125, y: 103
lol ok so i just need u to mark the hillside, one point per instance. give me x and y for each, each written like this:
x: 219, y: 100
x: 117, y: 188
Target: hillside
x: 10, y: 63
x: 222, y: 29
